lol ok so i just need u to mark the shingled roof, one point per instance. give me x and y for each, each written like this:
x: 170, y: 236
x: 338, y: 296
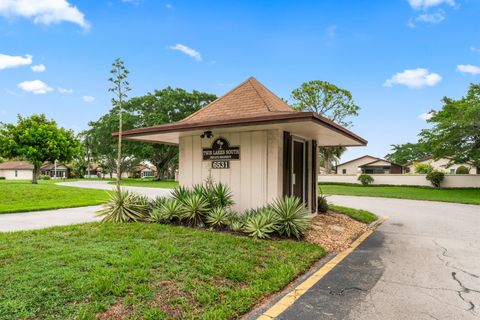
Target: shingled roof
x: 249, y: 99
x: 16, y: 165
x: 249, y: 104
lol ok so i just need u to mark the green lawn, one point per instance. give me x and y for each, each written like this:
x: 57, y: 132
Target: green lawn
x: 147, y: 271
x: 467, y: 195
x: 149, y: 183
x: 18, y: 196
x: 356, y: 214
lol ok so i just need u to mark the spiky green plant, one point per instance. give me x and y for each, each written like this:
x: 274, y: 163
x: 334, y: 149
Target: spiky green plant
x: 158, y: 202
x: 218, y: 218
x: 221, y: 196
x: 181, y: 193
x: 124, y: 206
x: 195, y: 208
x: 168, y: 211
x: 262, y: 224
x: 293, y: 218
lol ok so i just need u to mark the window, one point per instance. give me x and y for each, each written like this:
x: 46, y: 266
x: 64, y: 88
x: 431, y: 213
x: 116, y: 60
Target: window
x: 344, y: 171
x: 452, y: 171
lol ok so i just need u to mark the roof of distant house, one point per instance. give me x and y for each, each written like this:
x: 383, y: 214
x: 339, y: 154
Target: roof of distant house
x: 16, y: 165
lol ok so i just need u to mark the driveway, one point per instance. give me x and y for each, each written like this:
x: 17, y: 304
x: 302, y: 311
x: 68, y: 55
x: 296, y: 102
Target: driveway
x: 44, y: 219
x: 422, y: 263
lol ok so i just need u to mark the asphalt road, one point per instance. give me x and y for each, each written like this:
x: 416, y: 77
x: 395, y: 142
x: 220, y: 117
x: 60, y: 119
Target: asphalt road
x: 422, y: 263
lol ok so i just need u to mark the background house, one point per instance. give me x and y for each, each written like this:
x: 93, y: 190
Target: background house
x: 16, y: 170
x: 58, y: 171
x: 145, y: 171
x: 370, y: 165
x: 442, y: 165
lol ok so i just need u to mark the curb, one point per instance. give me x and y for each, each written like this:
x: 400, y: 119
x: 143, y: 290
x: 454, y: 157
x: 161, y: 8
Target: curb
x: 290, y: 298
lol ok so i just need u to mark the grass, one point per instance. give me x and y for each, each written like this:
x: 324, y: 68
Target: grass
x: 459, y: 195
x: 147, y: 271
x: 20, y: 196
x: 356, y: 214
x: 149, y: 183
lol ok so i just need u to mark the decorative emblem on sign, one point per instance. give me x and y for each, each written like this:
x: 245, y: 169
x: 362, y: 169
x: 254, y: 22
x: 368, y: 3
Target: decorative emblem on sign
x: 221, y: 151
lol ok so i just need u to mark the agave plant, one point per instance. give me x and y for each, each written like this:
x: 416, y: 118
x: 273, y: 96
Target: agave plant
x: 293, y: 218
x: 221, y: 195
x: 195, y: 208
x: 158, y: 202
x: 124, y: 206
x: 169, y: 210
x: 181, y: 193
x: 322, y: 203
x: 218, y: 218
x: 260, y: 223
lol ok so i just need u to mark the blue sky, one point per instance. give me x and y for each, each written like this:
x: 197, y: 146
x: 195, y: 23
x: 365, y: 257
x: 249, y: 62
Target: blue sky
x: 398, y: 58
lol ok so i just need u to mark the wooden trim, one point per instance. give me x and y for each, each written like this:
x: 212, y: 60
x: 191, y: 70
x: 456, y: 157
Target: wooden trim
x: 307, y: 173
x: 287, y: 163
x: 314, y: 175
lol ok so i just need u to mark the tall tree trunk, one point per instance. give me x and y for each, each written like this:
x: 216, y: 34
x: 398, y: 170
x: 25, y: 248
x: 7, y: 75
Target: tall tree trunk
x: 36, y: 171
x: 328, y: 162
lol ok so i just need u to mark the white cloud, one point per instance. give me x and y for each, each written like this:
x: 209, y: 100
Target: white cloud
x: 474, y: 49
x: 38, y: 68
x: 425, y: 116
x: 468, y: 68
x: 432, y: 18
x: 63, y: 90
x: 425, y: 4
x: 35, y: 86
x: 7, y: 61
x: 43, y: 11
x: 88, y: 99
x: 414, y: 78
x: 188, y: 51
x: 168, y: 6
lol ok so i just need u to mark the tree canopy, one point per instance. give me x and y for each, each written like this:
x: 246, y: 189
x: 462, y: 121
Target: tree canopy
x: 331, y: 102
x: 455, y: 131
x: 37, y: 139
x: 407, y: 152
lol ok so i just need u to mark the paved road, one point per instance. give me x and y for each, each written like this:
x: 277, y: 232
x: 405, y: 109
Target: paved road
x: 61, y: 217
x: 104, y: 185
x: 422, y: 263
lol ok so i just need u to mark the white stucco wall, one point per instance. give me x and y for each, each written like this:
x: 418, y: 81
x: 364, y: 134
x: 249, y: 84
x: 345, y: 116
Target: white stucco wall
x: 254, y: 180
x: 21, y: 174
x: 352, y: 167
x: 450, y: 181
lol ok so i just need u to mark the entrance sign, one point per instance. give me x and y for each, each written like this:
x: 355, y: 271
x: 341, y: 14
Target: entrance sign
x: 220, y: 164
x: 221, y: 151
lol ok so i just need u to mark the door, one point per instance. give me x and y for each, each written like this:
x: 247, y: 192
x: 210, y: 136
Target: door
x: 298, y: 169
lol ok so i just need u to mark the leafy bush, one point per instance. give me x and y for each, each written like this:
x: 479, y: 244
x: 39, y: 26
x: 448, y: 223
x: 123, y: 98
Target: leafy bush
x: 365, y: 179
x: 436, y: 178
x: 2, y: 178
x: 218, y: 218
x: 44, y: 177
x: 195, y: 208
x: 322, y: 203
x: 422, y: 168
x: 167, y: 211
x: 125, y: 206
x: 462, y: 170
x: 293, y: 218
x: 261, y: 223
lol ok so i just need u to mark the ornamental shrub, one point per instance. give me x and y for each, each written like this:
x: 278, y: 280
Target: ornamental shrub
x: 436, y: 178
x: 365, y: 179
x: 462, y: 170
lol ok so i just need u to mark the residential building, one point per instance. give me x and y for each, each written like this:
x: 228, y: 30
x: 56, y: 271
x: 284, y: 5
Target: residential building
x: 370, y: 165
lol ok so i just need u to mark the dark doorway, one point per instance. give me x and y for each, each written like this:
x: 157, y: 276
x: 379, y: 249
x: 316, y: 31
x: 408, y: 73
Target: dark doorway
x: 298, y: 169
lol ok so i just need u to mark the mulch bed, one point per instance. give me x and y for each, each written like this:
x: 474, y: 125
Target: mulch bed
x: 334, y: 231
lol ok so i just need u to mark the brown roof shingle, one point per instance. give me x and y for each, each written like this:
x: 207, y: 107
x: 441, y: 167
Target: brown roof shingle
x: 16, y: 165
x: 249, y: 99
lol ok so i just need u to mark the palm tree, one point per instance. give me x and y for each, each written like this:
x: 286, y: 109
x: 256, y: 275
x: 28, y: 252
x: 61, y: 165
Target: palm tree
x: 331, y: 155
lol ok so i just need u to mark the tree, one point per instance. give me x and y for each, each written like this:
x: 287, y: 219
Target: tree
x: 37, y: 139
x: 331, y: 102
x: 408, y: 152
x: 120, y: 87
x: 160, y: 107
x: 456, y: 129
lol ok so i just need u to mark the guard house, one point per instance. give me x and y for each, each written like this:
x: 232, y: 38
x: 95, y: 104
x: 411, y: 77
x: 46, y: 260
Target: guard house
x: 253, y: 141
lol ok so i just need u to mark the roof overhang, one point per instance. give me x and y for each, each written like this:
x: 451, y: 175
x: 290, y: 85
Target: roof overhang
x: 304, y: 124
